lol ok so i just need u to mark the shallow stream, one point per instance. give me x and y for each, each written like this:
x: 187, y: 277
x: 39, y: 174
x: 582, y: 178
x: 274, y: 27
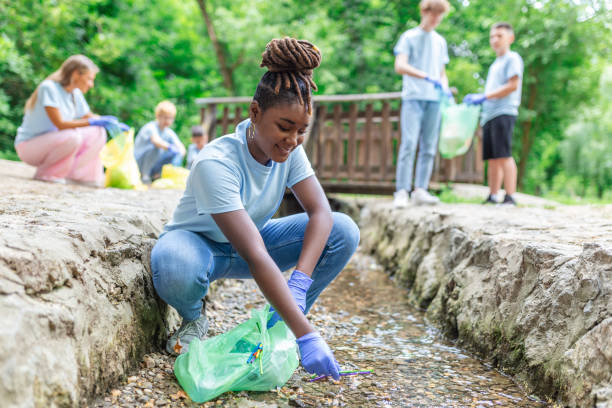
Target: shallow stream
x: 370, y: 325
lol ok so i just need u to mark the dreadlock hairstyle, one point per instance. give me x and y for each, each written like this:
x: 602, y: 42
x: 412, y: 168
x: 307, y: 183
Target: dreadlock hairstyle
x: 290, y: 63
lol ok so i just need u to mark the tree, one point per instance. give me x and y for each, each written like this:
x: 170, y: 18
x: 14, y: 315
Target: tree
x: 587, y: 150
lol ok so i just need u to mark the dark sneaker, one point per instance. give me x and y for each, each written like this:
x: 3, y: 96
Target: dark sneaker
x: 508, y: 200
x: 489, y: 200
x: 178, y: 343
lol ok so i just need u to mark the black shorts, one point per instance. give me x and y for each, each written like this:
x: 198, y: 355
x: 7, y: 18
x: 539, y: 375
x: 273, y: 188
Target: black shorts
x: 497, y: 137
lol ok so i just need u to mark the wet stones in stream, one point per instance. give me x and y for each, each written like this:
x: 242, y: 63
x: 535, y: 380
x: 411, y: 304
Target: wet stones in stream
x: 370, y: 325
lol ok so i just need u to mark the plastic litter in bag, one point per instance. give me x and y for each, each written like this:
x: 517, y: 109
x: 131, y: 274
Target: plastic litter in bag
x: 172, y: 177
x: 247, y: 358
x: 458, y: 125
x: 121, y: 167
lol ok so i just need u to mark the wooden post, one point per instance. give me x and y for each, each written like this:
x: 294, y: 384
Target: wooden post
x: 320, y: 166
x: 368, y: 140
x: 351, y: 161
x: 237, y: 115
x: 225, y: 120
x: 337, y: 152
x: 385, y: 151
x: 212, y: 129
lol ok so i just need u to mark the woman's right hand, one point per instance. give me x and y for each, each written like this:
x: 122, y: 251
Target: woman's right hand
x: 102, y: 120
x: 316, y: 356
x: 108, y: 122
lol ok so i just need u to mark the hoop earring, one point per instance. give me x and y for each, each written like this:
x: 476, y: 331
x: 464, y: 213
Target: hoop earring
x: 251, y: 134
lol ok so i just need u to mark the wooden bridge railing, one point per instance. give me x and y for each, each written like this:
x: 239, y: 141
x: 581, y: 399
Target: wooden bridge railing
x: 353, y: 141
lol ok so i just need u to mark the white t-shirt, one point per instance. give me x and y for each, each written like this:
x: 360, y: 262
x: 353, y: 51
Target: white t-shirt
x: 145, y: 152
x: 503, y: 68
x: 225, y: 177
x: 51, y: 93
x: 427, y: 51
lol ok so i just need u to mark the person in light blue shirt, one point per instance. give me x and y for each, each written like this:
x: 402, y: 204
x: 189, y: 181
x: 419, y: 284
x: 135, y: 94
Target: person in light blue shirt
x: 500, y: 103
x: 223, y: 226
x: 59, y: 134
x: 420, y: 57
x: 198, y: 139
x: 156, y: 144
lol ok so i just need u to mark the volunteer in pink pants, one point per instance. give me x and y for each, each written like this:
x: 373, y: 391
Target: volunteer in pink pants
x: 59, y: 134
x: 72, y: 154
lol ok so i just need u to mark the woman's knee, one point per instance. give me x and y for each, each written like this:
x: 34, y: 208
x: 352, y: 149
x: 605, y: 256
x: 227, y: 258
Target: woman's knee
x: 177, y: 265
x: 345, y: 232
x: 73, y: 140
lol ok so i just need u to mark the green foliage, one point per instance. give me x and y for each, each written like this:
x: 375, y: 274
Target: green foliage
x: 150, y: 51
x: 587, y: 150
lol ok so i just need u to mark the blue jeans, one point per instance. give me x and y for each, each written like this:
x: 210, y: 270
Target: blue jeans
x: 176, y: 159
x: 184, y: 263
x: 420, y: 123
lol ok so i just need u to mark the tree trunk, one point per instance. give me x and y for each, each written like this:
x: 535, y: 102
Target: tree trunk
x: 226, y: 71
x: 526, y: 139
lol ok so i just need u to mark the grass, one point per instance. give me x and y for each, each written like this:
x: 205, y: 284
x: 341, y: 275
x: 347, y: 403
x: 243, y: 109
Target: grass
x: 577, y: 200
x: 9, y: 155
x: 448, y: 196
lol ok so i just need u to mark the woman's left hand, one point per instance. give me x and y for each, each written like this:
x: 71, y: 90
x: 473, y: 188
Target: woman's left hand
x: 298, y: 286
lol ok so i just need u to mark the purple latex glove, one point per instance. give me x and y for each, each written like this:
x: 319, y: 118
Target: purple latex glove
x: 436, y: 83
x: 102, y: 121
x: 317, y: 357
x: 173, y: 149
x: 474, y: 99
x: 123, y: 127
x: 298, y: 284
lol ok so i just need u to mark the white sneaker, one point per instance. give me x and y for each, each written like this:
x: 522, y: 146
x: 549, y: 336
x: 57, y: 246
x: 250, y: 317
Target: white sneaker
x: 422, y: 197
x: 400, y: 199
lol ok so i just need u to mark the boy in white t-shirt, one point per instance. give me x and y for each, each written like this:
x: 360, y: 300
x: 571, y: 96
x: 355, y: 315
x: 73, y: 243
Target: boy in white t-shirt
x: 500, y: 103
x: 420, y: 57
x: 157, y: 144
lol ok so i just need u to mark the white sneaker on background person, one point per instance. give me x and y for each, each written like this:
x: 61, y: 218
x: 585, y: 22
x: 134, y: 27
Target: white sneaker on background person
x: 400, y: 199
x: 422, y: 197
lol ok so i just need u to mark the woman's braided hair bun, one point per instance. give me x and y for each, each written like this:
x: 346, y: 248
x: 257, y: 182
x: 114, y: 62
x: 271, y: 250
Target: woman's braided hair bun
x: 290, y: 62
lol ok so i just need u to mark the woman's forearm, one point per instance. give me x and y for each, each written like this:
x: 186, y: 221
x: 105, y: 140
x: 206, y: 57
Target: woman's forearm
x: 274, y: 287
x: 71, y: 124
x: 55, y: 117
x: 315, y: 237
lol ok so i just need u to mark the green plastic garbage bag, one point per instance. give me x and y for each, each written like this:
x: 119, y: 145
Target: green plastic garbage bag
x: 458, y: 125
x: 219, y: 364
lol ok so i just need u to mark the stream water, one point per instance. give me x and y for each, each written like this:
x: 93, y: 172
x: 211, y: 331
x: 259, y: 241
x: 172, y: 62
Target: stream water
x: 370, y: 325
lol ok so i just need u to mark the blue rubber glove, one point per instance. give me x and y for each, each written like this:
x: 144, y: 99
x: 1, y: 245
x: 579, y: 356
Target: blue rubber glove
x: 298, y: 284
x: 436, y: 83
x: 173, y: 149
x: 116, y: 127
x: 474, y: 99
x: 317, y: 357
x: 102, y: 121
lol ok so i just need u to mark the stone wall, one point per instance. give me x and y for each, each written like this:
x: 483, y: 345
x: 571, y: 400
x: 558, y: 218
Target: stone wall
x: 77, y: 304
x: 528, y: 288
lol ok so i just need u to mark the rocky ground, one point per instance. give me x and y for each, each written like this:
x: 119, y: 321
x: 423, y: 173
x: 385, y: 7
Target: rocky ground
x: 370, y: 325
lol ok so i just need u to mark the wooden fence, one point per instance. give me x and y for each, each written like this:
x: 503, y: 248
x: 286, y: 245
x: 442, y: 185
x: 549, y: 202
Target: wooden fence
x: 353, y: 141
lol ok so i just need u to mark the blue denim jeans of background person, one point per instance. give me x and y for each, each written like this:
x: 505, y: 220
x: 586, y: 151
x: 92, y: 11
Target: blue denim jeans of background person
x: 420, y: 123
x: 184, y: 263
x: 167, y: 157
